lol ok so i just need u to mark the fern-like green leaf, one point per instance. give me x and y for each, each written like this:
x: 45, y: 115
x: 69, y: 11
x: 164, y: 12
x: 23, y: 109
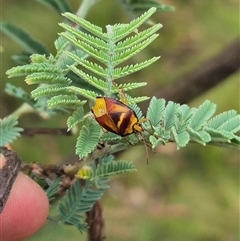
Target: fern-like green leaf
x: 21, y: 58
x: 129, y: 69
x: 128, y: 86
x: 46, y: 78
x: 58, y: 6
x: 64, y: 61
x: 109, y: 136
x: 53, y: 187
x: 79, y: 200
x: 124, y: 30
x: 91, y: 95
x: 114, y: 167
x: 95, y: 30
x: 232, y: 124
x: 219, y: 135
x: 40, y: 58
x: 220, y: 119
x: 8, y: 130
x: 137, y: 38
x: 139, y: 6
x: 88, y: 138
x: 135, y: 100
x: 170, y: 113
x: 184, y: 114
x: 90, y: 79
x: 21, y: 37
x: 104, y: 47
x: 60, y: 45
x: 32, y: 69
x: 49, y: 91
x: 68, y: 209
x: 155, y: 110
x: 201, y: 137
x: 95, y: 68
x: 77, y: 117
x: 156, y: 141
x: 87, y: 38
x: 95, y: 53
x: 120, y: 57
x: 67, y: 101
x: 234, y: 143
x: 98, y: 83
x: 179, y: 130
x: 181, y: 137
x: 18, y: 92
x: 202, y: 114
x: 136, y: 109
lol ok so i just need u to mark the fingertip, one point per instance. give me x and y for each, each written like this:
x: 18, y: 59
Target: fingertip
x: 26, y: 210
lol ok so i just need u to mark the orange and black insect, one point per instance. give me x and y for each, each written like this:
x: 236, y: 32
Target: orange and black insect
x: 114, y: 116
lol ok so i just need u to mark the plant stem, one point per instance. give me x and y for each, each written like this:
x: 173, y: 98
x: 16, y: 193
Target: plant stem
x: 85, y: 7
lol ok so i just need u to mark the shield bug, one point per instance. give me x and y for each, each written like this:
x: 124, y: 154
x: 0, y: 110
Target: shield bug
x: 116, y: 117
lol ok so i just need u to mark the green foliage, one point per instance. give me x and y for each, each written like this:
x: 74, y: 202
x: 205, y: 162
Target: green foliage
x: 66, y: 101
x: 105, y: 167
x: 223, y: 127
x: 182, y: 124
x: 114, y: 167
x: 58, y: 6
x: 77, y: 117
x: 81, y: 197
x: 140, y: 6
x: 89, y: 62
x: 156, y: 110
x: 88, y: 138
x: 52, y: 189
x: 202, y: 114
x: 79, y: 200
x: 167, y: 121
x: 9, y: 130
x: 109, y: 48
x: 18, y: 92
x: 23, y: 38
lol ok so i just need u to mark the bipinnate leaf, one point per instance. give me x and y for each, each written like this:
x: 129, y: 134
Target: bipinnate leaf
x: 23, y: 39
x: 201, y: 137
x: 18, y: 92
x: 181, y: 138
x: 88, y: 138
x: 79, y: 200
x: 9, y: 130
x: 170, y: 113
x: 202, y: 114
x: 139, y: 6
x: 58, y: 6
x: 75, y: 118
x: 156, y: 110
x: 114, y: 167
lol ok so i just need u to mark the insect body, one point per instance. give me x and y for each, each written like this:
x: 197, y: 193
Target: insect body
x: 116, y: 117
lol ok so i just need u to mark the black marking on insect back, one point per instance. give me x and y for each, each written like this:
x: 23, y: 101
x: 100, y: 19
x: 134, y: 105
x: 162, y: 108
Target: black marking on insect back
x: 115, y: 116
x: 121, y: 121
x: 124, y: 125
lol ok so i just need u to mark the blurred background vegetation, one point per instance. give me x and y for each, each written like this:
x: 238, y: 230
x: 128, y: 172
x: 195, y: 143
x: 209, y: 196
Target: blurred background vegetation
x: 191, y: 194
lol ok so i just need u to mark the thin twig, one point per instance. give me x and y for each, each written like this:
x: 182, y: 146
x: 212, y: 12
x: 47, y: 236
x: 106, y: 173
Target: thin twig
x: 46, y: 131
